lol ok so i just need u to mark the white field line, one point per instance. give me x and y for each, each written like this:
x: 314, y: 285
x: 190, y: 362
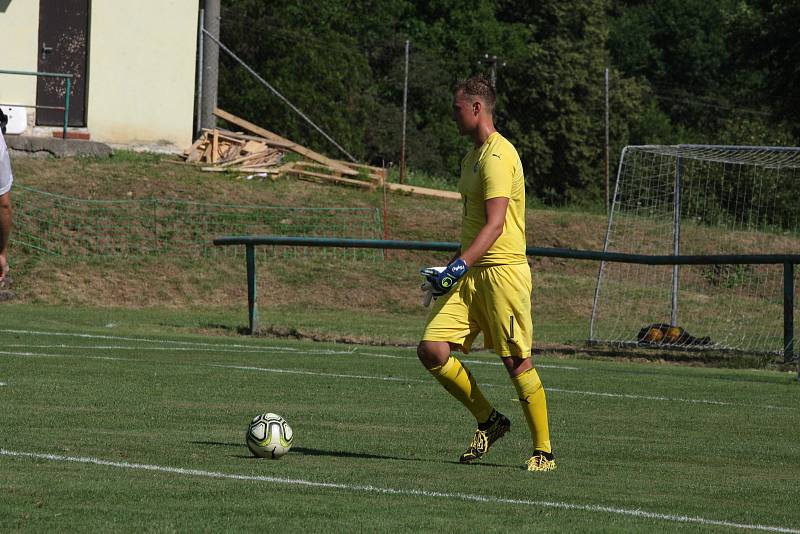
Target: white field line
x: 593, y: 508
x: 192, y: 349
x: 477, y: 362
x: 265, y: 350
x: 142, y: 339
x: 538, y: 365
x: 3, y: 384
x: 659, y: 398
x: 406, y: 380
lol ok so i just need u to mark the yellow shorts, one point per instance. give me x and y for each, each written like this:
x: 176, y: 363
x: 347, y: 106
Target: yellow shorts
x: 494, y: 300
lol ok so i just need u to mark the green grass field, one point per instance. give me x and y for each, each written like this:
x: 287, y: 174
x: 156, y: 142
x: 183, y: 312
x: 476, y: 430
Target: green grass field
x: 109, y: 425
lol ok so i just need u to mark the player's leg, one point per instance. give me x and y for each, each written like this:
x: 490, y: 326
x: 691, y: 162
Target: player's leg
x: 454, y: 376
x: 533, y: 401
x: 510, y: 329
x: 449, y: 328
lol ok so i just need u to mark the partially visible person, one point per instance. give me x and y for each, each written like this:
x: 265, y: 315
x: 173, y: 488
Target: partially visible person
x: 6, y: 179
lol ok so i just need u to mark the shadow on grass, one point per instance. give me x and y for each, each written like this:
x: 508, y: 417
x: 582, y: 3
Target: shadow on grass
x: 305, y: 451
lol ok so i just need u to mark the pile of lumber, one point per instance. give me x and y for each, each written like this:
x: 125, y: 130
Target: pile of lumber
x: 259, y: 151
x: 221, y: 150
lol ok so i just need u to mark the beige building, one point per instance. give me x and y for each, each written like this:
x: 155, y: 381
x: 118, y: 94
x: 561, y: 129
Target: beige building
x: 133, y: 67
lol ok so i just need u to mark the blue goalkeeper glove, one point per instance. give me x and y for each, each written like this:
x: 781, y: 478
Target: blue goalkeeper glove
x: 443, y: 281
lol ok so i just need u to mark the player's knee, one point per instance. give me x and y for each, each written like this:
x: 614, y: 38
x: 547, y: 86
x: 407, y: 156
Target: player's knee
x: 432, y: 354
x: 516, y: 365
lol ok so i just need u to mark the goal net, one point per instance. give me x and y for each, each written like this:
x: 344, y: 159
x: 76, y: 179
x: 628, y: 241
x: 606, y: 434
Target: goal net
x: 699, y: 200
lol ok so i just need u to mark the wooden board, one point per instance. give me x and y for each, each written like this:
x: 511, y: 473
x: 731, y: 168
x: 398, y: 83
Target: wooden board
x: 318, y: 176
x: 294, y: 147
x: 214, y: 146
x: 424, y: 191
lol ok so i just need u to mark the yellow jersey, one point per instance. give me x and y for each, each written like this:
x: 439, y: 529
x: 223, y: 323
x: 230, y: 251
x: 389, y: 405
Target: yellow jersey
x: 490, y: 171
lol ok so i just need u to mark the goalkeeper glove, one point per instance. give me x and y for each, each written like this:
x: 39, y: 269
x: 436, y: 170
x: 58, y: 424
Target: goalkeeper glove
x: 442, y: 282
x: 426, y: 286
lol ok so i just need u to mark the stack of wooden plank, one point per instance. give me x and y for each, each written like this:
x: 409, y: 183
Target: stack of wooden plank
x: 222, y: 150
x: 315, y: 166
x: 260, y: 151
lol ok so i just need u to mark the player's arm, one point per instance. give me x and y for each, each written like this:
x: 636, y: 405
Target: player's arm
x: 497, y: 186
x: 495, y: 220
x: 441, y: 281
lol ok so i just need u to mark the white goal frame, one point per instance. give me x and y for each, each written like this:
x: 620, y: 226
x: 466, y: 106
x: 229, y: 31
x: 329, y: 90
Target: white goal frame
x: 698, y: 200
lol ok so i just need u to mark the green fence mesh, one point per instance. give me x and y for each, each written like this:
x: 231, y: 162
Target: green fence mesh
x: 56, y: 224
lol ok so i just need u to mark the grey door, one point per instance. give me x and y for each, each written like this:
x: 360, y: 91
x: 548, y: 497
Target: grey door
x: 63, y: 47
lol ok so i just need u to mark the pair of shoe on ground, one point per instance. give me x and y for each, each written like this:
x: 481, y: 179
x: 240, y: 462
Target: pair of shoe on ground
x: 494, y: 429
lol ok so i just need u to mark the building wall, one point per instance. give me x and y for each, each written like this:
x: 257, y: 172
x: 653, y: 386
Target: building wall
x: 142, y: 59
x: 19, y: 34
x: 141, y: 68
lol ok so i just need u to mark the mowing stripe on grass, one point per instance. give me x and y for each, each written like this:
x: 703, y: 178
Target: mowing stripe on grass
x: 82, y: 356
x: 314, y: 373
x: 595, y: 508
x: 407, y: 380
x: 548, y: 389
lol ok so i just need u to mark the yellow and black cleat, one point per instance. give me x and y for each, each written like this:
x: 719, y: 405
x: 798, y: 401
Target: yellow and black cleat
x: 541, y: 461
x: 494, y: 429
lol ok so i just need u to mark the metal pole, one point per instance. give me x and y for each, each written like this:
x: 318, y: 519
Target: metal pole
x: 252, y: 309
x: 608, y: 187
x: 210, y: 64
x: 403, y: 142
x: 66, y: 109
x: 606, y: 242
x: 676, y: 238
x: 199, y: 103
x: 788, y: 314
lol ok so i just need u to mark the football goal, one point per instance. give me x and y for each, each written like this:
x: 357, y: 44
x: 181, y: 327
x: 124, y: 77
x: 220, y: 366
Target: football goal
x: 699, y: 200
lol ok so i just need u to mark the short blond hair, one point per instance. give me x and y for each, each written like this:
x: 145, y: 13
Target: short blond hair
x: 477, y: 86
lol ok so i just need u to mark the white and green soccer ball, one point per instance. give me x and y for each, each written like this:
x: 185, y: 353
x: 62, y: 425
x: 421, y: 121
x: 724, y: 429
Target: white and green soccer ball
x: 269, y: 436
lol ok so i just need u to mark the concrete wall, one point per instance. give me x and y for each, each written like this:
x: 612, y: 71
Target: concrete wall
x: 141, y: 73
x: 19, y: 30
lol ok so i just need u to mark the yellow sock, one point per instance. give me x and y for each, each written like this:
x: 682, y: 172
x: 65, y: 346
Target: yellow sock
x: 534, y: 406
x: 459, y: 382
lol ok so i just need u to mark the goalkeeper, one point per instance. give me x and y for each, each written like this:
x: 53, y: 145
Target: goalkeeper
x: 487, y: 286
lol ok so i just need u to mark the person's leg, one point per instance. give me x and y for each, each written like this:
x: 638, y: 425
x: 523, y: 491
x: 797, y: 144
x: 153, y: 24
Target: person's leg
x: 532, y: 400
x: 456, y: 379
x: 509, y: 327
x: 450, y: 329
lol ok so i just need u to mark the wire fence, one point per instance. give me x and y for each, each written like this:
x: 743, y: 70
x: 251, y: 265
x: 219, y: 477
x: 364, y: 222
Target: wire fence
x: 47, y: 223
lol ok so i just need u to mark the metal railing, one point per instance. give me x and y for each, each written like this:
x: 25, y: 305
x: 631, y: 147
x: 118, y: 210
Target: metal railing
x: 68, y: 77
x: 788, y: 261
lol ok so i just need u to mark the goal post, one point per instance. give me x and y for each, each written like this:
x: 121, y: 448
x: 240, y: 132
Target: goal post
x: 700, y: 200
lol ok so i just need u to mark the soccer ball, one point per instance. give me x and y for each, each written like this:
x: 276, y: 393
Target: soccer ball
x: 269, y: 436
